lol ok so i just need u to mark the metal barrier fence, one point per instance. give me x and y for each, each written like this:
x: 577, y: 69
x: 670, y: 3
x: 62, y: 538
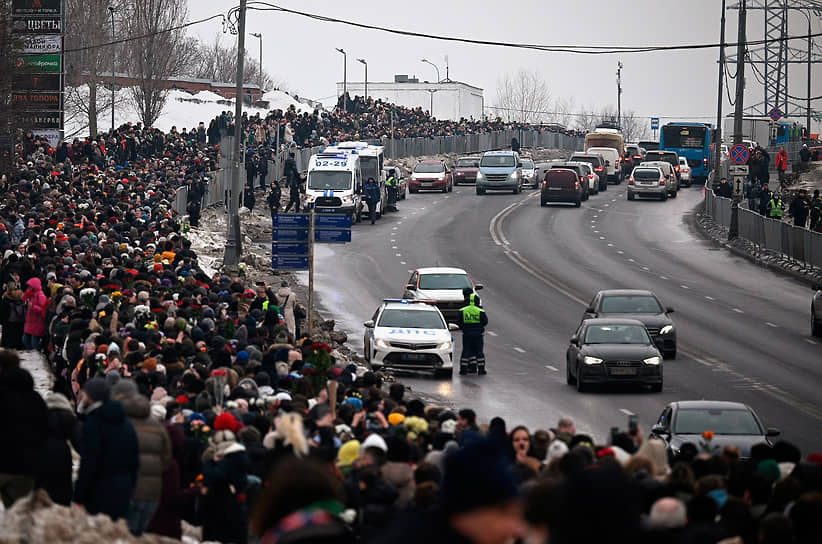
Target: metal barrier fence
x: 796, y: 243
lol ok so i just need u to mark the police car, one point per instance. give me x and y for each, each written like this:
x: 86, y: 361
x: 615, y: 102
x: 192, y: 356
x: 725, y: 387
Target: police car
x: 409, y: 335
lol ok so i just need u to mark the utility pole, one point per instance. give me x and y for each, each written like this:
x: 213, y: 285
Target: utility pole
x: 234, y: 241
x: 111, y: 12
x: 619, y: 95
x: 719, y: 97
x: 733, y: 230
x: 345, y: 79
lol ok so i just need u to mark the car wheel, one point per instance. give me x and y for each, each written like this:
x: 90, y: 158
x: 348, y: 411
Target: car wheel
x: 630, y: 195
x: 569, y: 378
x: 412, y: 191
x: 580, y: 384
x: 543, y: 203
x: 578, y: 203
x: 816, y: 328
x: 480, y: 191
x: 515, y: 190
x: 664, y: 197
x: 673, y: 194
x: 444, y: 373
x: 378, y: 215
x: 603, y: 186
x: 656, y: 387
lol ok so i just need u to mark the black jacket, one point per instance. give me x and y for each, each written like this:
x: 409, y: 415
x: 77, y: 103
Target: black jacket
x: 24, y: 420
x: 55, y: 475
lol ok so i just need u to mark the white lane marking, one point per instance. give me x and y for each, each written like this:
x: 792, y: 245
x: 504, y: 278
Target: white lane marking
x: 610, y: 245
x: 737, y: 310
x: 596, y: 216
x: 601, y: 237
x: 492, y: 333
x: 620, y: 251
x: 403, y: 262
x: 811, y: 342
x: 768, y: 323
x: 422, y: 208
x: 663, y: 277
x: 410, y: 271
x: 394, y: 228
x: 645, y: 268
x: 399, y: 222
x: 393, y: 241
x: 626, y: 411
x: 394, y: 247
x: 607, y: 204
x: 399, y: 254
x: 612, y: 200
x: 518, y: 349
x: 684, y: 286
x: 631, y: 260
x: 709, y: 298
x: 593, y: 221
x: 549, y: 367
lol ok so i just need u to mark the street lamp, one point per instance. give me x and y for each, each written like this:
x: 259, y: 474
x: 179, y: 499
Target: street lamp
x: 808, y: 112
x: 426, y: 61
x: 362, y: 61
x: 259, y: 36
x: 431, y: 109
x: 345, y: 78
x: 111, y: 12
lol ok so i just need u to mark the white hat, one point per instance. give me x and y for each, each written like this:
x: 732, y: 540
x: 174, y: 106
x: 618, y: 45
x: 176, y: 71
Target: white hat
x: 449, y: 426
x: 158, y: 411
x: 557, y: 449
x: 374, y: 441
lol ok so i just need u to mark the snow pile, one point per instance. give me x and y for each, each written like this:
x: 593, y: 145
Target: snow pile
x: 279, y: 100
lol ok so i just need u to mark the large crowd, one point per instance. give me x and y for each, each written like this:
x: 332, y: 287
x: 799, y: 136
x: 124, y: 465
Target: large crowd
x: 194, y: 397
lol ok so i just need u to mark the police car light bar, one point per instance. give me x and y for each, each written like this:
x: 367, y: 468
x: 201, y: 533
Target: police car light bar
x: 407, y: 301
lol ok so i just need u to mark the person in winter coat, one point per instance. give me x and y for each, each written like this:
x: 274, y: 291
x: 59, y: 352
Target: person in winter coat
x: 371, y: 192
x: 286, y: 299
x: 224, y: 509
x: 155, y: 457
x: 35, y: 326
x: 109, y: 454
x: 23, y: 419
x: 781, y: 163
x: 63, y: 428
x: 13, y: 317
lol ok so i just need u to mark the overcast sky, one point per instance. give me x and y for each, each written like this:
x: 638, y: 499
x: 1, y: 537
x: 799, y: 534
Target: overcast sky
x: 300, y: 52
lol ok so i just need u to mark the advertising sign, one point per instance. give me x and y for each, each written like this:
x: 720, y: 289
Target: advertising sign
x: 36, y: 101
x: 40, y: 43
x: 35, y: 120
x: 39, y: 63
x: 36, y: 82
x: 36, y: 7
x: 37, y: 25
x: 53, y: 136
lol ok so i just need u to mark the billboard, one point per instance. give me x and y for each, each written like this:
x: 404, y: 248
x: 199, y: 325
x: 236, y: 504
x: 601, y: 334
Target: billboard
x: 38, y: 43
x: 36, y: 7
x: 53, y: 136
x: 46, y: 119
x: 37, y: 25
x: 36, y: 82
x: 36, y: 101
x: 39, y: 63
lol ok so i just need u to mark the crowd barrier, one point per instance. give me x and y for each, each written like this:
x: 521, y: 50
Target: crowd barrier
x: 796, y: 243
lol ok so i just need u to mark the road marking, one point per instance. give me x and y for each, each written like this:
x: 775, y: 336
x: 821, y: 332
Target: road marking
x: 626, y: 412
x: 610, y: 245
x: 399, y: 254
x: 410, y: 271
x: 549, y: 367
x: 709, y: 298
x: 520, y: 350
x: 607, y: 204
x: 393, y: 241
x: 631, y: 260
x: 593, y: 220
x: 684, y: 286
x: 768, y: 323
x: 394, y: 227
x: 403, y: 262
x: 620, y: 252
x: 596, y: 216
x: 811, y: 342
x: 492, y: 333
x: 737, y: 310
x: 399, y: 222
x: 601, y: 237
x: 394, y: 247
x: 645, y: 268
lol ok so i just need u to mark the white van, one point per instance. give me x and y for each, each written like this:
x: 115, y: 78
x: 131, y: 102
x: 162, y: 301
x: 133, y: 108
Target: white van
x: 613, y: 168
x: 334, y: 183
x: 372, y: 158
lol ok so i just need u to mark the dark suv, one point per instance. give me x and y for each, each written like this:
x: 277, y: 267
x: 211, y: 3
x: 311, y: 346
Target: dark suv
x: 598, y: 164
x: 666, y: 156
x: 561, y: 185
x: 582, y: 175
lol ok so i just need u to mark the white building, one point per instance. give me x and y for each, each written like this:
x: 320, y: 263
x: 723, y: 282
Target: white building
x: 447, y: 100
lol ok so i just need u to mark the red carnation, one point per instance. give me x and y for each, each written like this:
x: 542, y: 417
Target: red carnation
x: 226, y: 421
x: 182, y: 399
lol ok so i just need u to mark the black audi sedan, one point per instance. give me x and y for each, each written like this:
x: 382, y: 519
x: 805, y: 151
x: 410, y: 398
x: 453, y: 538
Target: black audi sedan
x: 641, y: 305
x: 608, y: 350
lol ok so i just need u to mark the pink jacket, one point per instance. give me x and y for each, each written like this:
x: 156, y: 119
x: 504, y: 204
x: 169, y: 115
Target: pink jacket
x: 37, y: 303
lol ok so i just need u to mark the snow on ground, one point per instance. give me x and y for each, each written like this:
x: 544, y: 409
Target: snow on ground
x: 279, y: 100
x: 35, y: 363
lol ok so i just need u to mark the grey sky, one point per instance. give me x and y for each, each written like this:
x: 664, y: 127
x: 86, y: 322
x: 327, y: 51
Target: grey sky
x: 300, y: 51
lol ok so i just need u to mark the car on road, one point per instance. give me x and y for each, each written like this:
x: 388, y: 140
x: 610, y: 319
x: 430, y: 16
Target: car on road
x: 402, y: 181
x: 641, y: 305
x: 581, y: 169
x: 816, y: 311
x: 670, y: 157
x: 431, y: 175
x: 442, y: 285
x: 465, y: 171
x: 597, y: 161
x: 560, y: 185
x: 730, y: 424
x: 529, y: 173
x: 651, y: 179
x: 409, y: 335
x: 684, y: 172
x: 591, y: 177
x: 635, y: 153
x: 499, y: 170
x: 613, y: 162
x: 612, y: 350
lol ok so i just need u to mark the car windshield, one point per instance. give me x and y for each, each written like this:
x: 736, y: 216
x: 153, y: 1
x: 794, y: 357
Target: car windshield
x: 659, y: 156
x: 630, y: 304
x: 468, y: 163
x: 616, y: 334
x: 719, y: 421
x: 528, y: 164
x: 428, y: 168
x: 589, y: 160
x: 497, y: 160
x: 323, y: 180
x: 411, y: 319
x: 444, y: 281
x: 646, y: 173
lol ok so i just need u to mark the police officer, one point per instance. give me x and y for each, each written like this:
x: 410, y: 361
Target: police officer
x: 472, y: 320
x: 392, y: 185
x: 775, y: 206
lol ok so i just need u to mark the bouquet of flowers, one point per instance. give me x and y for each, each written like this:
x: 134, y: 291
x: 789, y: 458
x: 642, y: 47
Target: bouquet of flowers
x: 200, y: 430
x: 320, y: 360
x: 705, y: 444
x: 220, y: 376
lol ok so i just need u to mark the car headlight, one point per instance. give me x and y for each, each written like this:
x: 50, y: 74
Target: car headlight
x: 667, y: 329
x: 479, y: 175
x: 513, y: 175
x: 309, y: 198
x: 380, y: 343
x: 444, y: 345
x: 347, y: 199
x: 651, y: 361
x: 591, y: 361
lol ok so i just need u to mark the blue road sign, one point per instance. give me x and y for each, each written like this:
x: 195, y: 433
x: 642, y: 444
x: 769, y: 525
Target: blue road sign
x: 776, y: 114
x: 335, y: 221
x: 739, y: 154
x: 289, y: 235
x: 333, y: 235
x: 289, y: 263
x: 291, y: 220
x: 654, y: 123
x: 289, y: 248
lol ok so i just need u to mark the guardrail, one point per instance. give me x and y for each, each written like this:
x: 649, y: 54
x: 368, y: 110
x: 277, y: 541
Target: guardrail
x: 796, y: 243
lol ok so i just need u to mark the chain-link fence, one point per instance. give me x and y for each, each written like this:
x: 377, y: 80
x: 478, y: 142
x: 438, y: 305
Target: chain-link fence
x: 796, y: 243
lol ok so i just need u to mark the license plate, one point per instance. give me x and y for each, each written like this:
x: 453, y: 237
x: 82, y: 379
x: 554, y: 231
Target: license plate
x: 412, y: 356
x: 554, y: 188
x: 622, y: 371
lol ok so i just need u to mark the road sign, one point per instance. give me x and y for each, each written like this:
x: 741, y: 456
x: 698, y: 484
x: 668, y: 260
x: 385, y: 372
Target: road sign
x: 775, y: 114
x: 654, y: 123
x: 739, y: 154
x: 289, y: 235
x: 290, y: 248
x: 332, y: 235
x: 332, y: 221
x: 289, y: 263
x: 291, y: 220
x: 739, y: 175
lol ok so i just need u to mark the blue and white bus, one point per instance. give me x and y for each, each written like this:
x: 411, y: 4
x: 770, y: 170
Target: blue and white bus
x: 691, y: 141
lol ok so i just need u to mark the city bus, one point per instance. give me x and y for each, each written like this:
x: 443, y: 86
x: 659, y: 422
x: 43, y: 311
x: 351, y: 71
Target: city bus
x: 692, y: 141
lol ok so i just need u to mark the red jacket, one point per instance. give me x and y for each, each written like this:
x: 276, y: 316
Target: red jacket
x: 781, y: 160
x: 37, y: 302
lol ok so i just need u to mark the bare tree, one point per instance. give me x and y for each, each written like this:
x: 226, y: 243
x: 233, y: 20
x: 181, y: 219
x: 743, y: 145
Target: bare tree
x: 524, y: 97
x: 219, y: 63
x: 564, y: 111
x: 157, y: 53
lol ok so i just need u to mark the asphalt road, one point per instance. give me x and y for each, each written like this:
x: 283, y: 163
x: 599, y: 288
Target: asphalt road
x: 743, y: 331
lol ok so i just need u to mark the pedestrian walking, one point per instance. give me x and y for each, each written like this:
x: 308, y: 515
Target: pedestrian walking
x: 816, y: 212
x: 392, y: 185
x: 292, y: 177
x: 36, y: 302
x: 472, y: 320
x: 804, y: 153
x: 371, y: 192
x: 249, y: 199
x: 781, y: 164
x: 261, y: 164
x: 800, y: 208
x: 63, y: 429
x: 273, y: 199
x: 286, y: 300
